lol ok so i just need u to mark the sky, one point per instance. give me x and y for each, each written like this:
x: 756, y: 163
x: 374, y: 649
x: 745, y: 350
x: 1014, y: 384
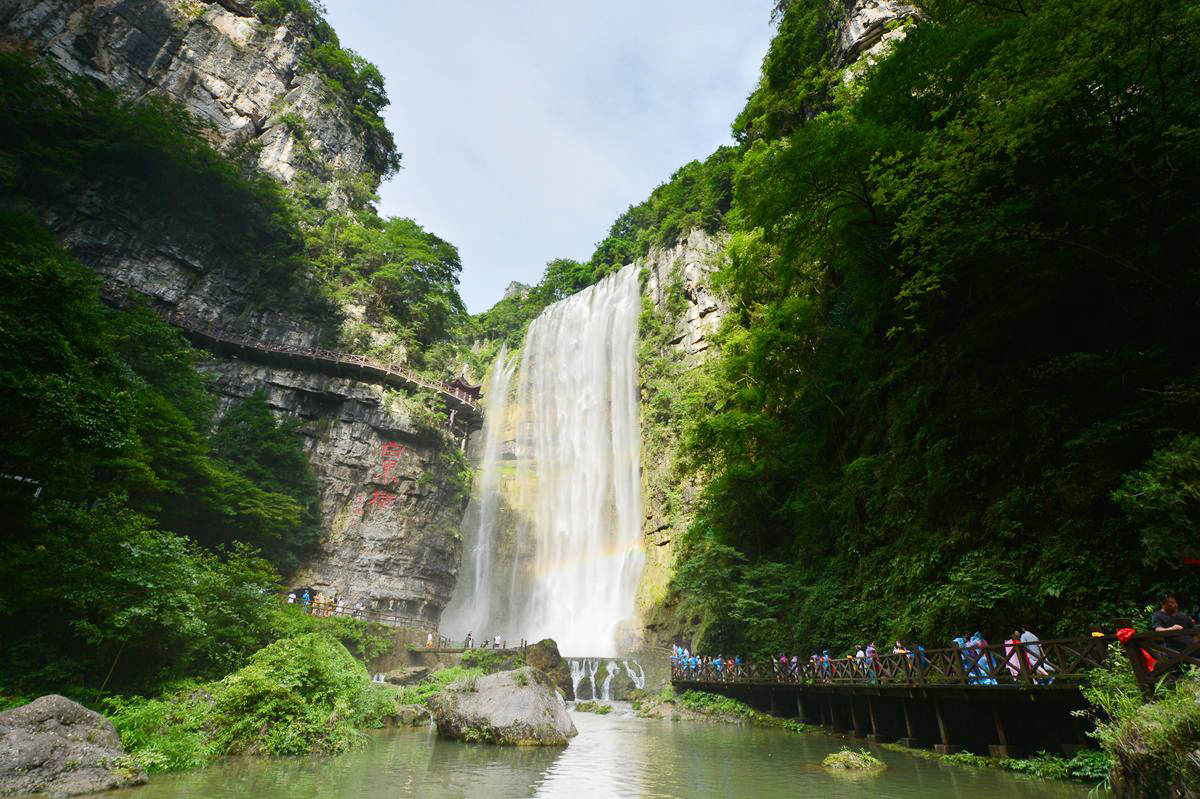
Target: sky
x: 527, y: 127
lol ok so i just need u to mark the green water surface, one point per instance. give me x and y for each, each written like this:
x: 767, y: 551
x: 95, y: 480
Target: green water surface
x: 613, y: 756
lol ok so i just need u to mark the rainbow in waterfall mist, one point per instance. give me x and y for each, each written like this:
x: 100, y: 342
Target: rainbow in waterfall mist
x: 552, y: 535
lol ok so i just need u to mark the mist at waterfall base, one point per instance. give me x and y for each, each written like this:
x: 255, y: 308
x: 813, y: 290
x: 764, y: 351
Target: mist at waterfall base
x: 552, y: 534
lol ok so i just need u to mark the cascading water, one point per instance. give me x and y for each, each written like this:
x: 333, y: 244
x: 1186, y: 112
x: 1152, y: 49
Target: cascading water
x: 614, y: 669
x: 579, y: 438
x: 472, y: 608
x: 638, y: 677
x: 572, y: 558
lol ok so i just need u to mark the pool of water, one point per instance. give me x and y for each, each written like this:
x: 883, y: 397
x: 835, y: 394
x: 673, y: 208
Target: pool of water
x: 616, y: 755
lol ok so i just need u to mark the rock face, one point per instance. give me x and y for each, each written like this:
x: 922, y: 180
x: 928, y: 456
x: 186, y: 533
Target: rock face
x: 517, y: 707
x: 686, y: 269
x: 390, y: 494
x: 868, y: 25
x: 544, y: 657
x: 227, y: 67
x: 55, y: 746
x: 680, y: 285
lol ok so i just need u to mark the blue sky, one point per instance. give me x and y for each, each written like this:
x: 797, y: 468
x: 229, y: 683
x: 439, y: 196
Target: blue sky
x: 527, y: 127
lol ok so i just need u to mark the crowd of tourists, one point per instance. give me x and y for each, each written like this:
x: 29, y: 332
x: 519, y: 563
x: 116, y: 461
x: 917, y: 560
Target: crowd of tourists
x: 1021, y: 656
x: 319, y: 604
x: 1022, y: 651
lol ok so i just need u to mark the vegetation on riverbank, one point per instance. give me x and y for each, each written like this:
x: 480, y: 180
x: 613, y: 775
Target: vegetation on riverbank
x: 298, y: 695
x: 1150, y: 747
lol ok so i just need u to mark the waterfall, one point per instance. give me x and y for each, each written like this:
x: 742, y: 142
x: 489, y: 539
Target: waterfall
x: 578, y: 439
x: 638, y: 677
x: 614, y: 669
x: 582, y: 670
x: 472, y: 607
x: 554, y: 545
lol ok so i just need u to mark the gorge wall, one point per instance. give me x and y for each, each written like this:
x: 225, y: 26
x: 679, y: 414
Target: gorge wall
x: 391, y: 481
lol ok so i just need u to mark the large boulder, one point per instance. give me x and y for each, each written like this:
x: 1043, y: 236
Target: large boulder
x: 518, y: 707
x: 544, y: 657
x: 59, y: 747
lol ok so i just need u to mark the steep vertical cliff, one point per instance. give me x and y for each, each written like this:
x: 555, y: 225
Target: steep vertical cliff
x: 391, y: 476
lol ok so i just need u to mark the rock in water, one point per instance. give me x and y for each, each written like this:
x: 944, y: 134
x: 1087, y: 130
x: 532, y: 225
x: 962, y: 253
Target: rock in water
x: 59, y: 747
x: 517, y: 707
x: 849, y: 761
x: 544, y: 656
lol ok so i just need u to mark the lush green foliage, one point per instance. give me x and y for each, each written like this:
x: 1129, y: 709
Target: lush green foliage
x: 297, y: 695
x: 1088, y: 765
x: 958, y: 384
x: 437, y: 681
x: 490, y: 661
x: 62, y: 138
x: 112, y: 482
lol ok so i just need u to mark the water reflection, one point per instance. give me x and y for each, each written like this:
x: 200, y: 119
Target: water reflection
x: 613, y: 756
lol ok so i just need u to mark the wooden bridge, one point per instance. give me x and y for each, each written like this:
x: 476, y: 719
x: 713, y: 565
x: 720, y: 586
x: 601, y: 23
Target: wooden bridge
x: 1003, y: 699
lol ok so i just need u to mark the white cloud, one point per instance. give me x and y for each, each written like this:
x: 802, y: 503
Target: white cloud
x: 526, y: 128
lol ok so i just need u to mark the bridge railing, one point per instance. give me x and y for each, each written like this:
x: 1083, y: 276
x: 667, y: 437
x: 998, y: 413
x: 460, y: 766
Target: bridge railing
x: 1052, y: 662
x: 346, y: 358
x: 1065, y: 661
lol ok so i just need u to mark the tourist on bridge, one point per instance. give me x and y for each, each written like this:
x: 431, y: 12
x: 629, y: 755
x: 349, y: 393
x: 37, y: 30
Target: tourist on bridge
x: 985, y: 661
x: 1040, y: 664
x: 870, y: 653
x: 860, y: 658
x: 467, y: 643
x: 306, y: 600
x: 968, y: 661
x: 429, y: 641
x: 291, y: 597
x: 1168, y: 619
x: 496, y: 641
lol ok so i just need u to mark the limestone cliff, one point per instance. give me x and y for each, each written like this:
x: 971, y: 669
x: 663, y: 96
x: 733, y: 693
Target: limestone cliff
x: 679, y: 287
x: 245, y: 77
x: 392, y: 490
x: 391, y: 478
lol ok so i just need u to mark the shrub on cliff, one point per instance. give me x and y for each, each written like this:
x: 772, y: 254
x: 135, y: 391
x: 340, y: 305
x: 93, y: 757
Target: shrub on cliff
x: 297, y: 695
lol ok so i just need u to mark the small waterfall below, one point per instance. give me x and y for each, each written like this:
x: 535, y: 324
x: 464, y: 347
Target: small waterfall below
x: 615, y: 686
x: 553, y: 530
x: 584, y: 670
x: 638, y: 677
x: 614, y: 669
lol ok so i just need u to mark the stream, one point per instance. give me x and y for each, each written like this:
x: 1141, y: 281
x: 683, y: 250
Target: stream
x: 616, y: 755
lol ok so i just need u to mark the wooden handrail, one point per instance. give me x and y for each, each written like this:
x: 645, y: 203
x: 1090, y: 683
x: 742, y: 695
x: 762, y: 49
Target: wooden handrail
x: 1046, y: 663
x: 464, y: 402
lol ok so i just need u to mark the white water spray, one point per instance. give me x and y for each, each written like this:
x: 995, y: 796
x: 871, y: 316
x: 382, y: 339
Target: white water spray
x: 554, y: 546
x: 578, y: 437
x: 473, y: 607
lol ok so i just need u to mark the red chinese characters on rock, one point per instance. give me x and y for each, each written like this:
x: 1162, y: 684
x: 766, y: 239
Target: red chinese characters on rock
x: 390, y: 459
x: 381, y: 500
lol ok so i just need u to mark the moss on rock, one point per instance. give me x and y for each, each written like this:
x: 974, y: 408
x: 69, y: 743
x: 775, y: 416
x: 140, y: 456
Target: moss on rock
x: 849, y: 760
